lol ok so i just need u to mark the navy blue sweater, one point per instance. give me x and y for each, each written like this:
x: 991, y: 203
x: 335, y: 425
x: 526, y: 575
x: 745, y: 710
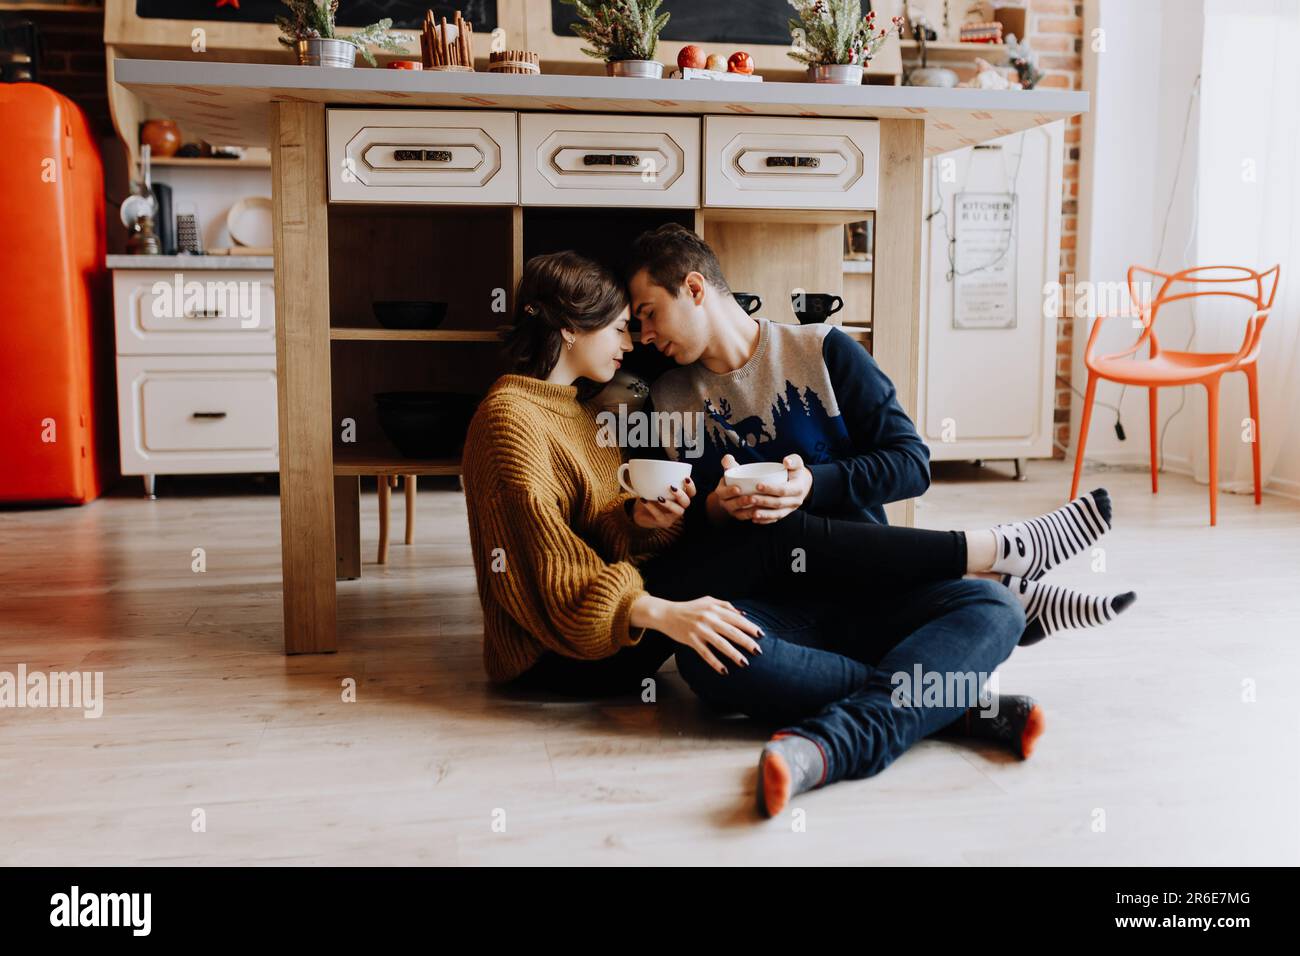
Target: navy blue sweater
x: 809, y: 390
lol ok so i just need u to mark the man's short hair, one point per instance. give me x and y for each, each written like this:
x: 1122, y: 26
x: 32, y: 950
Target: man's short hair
x: 669, y: 253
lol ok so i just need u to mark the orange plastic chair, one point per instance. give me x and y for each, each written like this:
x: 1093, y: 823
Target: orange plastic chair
x: 1163, y: 369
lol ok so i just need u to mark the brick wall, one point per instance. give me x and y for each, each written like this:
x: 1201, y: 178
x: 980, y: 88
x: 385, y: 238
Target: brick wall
x: 73, y: 60
x: 1055, y: 32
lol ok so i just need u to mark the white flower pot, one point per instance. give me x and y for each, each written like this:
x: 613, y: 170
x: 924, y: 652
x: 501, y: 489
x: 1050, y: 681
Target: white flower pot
x: 326, y: 52
x: 846, y: 74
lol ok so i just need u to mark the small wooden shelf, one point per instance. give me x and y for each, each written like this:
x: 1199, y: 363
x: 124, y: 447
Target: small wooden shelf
x: 373, y: 460
x: 833, y: 217
x: 208, y: 162
x: 952, y: 50
x: 856, y: 331
x: 53, y: 7
x: 413, y: 335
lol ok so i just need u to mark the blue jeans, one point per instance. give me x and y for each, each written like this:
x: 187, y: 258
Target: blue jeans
x: 825, y: 671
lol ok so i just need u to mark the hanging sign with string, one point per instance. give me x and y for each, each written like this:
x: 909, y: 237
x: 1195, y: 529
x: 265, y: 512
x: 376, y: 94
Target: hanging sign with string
x: 984, y: 260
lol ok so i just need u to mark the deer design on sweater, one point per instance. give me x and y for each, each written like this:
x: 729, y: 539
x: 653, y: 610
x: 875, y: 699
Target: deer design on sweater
x: 748, y: 431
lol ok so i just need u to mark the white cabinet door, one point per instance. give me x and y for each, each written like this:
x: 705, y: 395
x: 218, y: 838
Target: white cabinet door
x: 204, y: 311
x: 988, y: 353
x: 775, y: 162
x: 197, y: 414
x: 423, y: 156
x: 598, y: 160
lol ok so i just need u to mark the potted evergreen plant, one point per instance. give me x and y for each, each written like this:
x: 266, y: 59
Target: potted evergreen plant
x: 623, y: 33
x: 309, y: 29
x: 834, y: 39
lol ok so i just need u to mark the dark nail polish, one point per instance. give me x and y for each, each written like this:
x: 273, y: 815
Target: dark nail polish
x: 760, y: 633
x: 661, y: 499
x: 744, y: 662
x: 724, y: 671
x: 757, y: 649
x: 687, y: 481
x: 672, y: 488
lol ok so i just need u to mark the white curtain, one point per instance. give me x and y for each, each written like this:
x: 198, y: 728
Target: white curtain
x: 1249, y: 196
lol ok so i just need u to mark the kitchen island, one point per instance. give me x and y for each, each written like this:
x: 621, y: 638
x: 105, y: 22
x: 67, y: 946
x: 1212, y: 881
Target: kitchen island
x: 420, y: 185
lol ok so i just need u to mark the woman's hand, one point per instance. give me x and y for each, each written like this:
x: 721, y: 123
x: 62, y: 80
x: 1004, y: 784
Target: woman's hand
x: 706, y: 625
x: 667, y: 511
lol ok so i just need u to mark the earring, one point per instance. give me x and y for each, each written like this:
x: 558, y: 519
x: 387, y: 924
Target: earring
x: 568, y: 344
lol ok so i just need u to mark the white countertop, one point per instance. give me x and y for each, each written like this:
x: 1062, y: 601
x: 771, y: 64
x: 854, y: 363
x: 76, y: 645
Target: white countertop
x: 228, y: 102
x: 184, y: 262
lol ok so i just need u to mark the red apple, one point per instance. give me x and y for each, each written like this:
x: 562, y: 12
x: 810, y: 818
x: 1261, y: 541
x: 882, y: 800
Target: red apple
x: 716, y: 62
x: 691, y: 57
x: 740, y: 62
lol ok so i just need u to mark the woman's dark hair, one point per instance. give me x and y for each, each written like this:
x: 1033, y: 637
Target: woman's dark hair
x: 559, y: 291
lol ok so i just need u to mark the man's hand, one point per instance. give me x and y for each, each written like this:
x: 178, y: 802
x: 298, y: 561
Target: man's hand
x: 667, y: 511
x: 771, y: 501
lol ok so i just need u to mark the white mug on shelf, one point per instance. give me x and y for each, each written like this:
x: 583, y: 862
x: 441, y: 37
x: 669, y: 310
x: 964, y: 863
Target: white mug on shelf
x: 652, y: 478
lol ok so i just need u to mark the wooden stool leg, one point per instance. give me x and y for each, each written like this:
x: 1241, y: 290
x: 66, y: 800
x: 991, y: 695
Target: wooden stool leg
x: 410, y: 509
x: 385, y: 490
x: 347, y: 527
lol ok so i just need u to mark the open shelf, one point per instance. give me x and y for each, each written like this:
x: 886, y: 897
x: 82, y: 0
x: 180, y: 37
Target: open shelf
x: 52, y: 7
x: 381, y: 460
x: 208, y: 162
x: 911, y: 49
x: 413, y: 335
x: 817, y: 217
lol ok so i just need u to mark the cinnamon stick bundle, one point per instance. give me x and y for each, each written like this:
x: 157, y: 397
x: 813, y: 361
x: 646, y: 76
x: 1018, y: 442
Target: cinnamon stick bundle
x: 437, y: 50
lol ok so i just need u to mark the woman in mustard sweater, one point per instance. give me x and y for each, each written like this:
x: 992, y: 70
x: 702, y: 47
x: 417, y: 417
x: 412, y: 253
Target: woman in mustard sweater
x: 587, y: 590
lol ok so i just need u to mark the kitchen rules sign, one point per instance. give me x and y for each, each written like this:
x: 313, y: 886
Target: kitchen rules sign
x: 984, y: 261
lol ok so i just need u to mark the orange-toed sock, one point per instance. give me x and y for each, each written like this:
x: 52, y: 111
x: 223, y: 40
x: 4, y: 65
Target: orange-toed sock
x: 789, y: 765
x: 1017, y: 722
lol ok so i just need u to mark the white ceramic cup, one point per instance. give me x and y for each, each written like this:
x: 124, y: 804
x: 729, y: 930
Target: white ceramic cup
x: 650, y: 478
x: 748, y: 477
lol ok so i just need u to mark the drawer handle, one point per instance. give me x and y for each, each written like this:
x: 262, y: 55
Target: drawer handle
x: 804, y: 162
x: 422, y: 155
x: 209, y: 415
x: 205, y: 314
x: 610, y: 159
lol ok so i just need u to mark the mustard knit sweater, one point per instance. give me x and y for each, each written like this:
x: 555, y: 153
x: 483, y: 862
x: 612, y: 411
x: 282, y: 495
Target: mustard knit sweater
x: 555, y: 548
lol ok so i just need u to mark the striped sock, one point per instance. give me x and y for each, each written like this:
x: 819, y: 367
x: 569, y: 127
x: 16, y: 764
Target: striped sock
x: 1050, y: 608
x: 1029, y: 549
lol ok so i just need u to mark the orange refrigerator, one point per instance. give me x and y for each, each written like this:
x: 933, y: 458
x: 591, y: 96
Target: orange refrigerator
x: 55, y: 317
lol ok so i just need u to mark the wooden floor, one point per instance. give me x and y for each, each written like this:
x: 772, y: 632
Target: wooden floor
x: 1147, y: 732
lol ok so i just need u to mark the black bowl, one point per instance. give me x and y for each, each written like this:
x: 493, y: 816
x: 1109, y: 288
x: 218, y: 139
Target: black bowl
x: 749, y: 301
x: 425, y: 424
x: 410, y: 315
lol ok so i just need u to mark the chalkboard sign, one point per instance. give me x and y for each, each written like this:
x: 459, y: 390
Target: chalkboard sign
x: 405, y: 14
x: 734, y: 22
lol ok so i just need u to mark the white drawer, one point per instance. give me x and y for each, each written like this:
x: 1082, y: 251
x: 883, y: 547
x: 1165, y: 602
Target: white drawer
x: 422, y: 156
x: 203, y: 311
x: 578, y: 160
x: 791, y: 163
x: 193, y: 414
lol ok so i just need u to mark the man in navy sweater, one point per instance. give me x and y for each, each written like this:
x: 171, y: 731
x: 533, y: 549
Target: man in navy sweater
x: 811, y: 397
